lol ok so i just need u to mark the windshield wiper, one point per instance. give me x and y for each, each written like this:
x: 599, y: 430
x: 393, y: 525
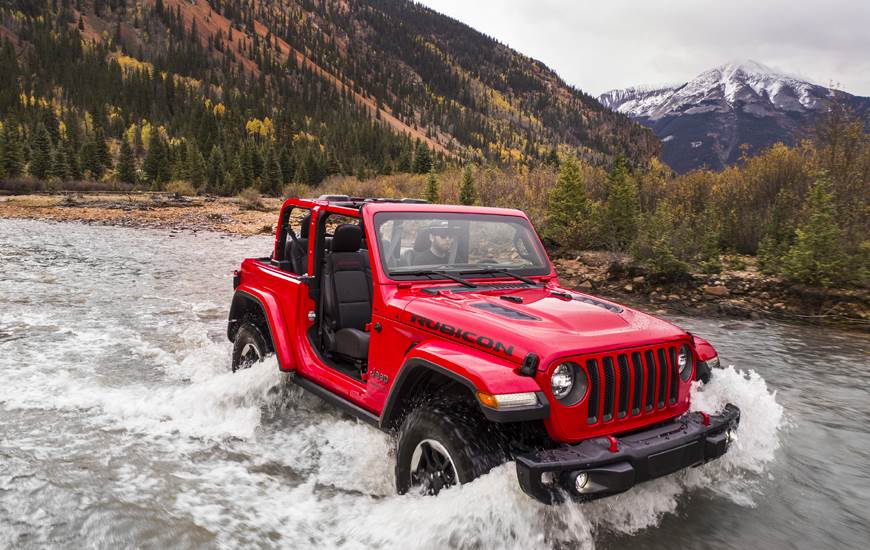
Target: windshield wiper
x: 444, y: 274
x: 492, y: 271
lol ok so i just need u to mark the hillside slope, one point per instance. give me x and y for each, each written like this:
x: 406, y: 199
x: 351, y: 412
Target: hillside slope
x: 340, y: 86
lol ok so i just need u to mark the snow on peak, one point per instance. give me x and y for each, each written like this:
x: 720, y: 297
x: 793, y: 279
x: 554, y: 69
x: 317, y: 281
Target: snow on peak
x: 743, y: 82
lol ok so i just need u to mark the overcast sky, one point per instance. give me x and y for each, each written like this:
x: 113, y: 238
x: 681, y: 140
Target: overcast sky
x: 601, y: 45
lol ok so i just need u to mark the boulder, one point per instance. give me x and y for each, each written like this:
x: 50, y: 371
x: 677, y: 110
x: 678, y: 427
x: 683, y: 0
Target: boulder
x: 716, y: 290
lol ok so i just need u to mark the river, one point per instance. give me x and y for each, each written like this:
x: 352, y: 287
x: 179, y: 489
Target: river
x: 121, y: 427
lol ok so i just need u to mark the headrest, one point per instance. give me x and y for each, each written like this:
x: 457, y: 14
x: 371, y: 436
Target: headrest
x: 422, y: 242
x: 306, y: 223
x: 348, y: 238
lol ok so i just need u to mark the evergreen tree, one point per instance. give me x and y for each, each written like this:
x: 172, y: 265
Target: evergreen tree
x: 59, y: 165
x: 568, y: 217
x: 622, y: 207
x: 102, y: 151
x: 40, y: 159
x: 818, y: 256
x: 89, y: 159
x: 72, y: 160
x: 467, y: 191
x: 432, y: 194
x: 422, y: 159
x: 2, y: 154
x: 156, y: 164
x: 196, y: 168
x: 215, y: 171
x: 272, y: 179
x: 126, y: 163
x: 236, y: 181
x: 403, y: 164
x: 288, y: 164
x: 655, y: 242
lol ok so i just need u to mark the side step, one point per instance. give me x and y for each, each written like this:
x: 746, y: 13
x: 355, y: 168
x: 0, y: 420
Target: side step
x: 340, y: 402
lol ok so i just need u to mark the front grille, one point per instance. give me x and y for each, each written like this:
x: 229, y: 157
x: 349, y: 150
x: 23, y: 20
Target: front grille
x: 627, y: 384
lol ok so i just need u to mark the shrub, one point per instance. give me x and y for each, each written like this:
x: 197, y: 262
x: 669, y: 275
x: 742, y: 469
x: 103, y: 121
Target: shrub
x: 249, y: 199
x: 180, y: 188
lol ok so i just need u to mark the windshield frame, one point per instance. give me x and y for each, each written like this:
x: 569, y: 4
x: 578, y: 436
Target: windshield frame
x: 382, y: 217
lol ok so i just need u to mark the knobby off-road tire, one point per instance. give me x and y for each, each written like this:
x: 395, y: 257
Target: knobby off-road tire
x: 249, y: 347
x: 453, y: 444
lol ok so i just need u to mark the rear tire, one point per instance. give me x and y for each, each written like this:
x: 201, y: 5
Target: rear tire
x: 441, y: 444
x: 249, y: 347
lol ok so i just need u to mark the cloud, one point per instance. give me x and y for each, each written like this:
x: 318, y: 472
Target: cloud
x: 597, y: 46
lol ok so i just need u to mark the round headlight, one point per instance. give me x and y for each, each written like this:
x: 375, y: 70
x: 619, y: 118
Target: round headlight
x: 684, y: 362
x: 562, y: 380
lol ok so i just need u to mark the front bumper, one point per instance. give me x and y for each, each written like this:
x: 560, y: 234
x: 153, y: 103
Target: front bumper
x: 614, y: 465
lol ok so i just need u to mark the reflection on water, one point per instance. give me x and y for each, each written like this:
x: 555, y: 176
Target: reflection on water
x: 121, y: 427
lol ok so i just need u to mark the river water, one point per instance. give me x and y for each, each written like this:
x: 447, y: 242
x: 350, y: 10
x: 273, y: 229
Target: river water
x: 121, y: 427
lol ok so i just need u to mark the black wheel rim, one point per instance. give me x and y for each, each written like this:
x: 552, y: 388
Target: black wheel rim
x: 250, y: 354
x: 432, y: 468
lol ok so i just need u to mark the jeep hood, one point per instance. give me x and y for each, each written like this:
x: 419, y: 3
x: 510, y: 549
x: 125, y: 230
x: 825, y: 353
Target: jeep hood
x: 534, y: 320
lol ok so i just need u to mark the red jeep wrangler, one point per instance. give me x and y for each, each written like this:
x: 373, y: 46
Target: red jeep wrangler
x: 446, y: 325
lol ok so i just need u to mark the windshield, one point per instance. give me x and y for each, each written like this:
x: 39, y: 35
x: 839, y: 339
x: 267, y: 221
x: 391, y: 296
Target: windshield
x: 412, y: 243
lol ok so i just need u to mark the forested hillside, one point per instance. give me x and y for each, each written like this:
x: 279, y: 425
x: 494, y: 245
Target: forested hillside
x: 229, y: 94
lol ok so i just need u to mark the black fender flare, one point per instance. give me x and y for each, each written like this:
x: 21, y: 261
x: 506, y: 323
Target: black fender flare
x: 412, y: 369
x: 238, y: 305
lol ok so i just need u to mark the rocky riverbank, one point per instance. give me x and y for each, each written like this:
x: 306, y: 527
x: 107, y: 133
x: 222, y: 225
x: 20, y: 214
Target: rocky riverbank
x: 740, y: 290
x: 148, y: 210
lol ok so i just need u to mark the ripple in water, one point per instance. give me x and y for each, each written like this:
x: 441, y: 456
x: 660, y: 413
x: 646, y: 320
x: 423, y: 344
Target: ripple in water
x: 114, y: 436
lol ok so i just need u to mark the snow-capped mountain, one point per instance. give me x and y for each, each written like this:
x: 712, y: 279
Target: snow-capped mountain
x: 704, y: 122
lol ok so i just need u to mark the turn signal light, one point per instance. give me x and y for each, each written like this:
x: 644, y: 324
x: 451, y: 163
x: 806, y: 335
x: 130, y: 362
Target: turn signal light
x: 508, y: 400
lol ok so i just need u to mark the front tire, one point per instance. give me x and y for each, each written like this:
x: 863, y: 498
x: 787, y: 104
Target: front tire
x: 249, y: 347
x: 441, y: 444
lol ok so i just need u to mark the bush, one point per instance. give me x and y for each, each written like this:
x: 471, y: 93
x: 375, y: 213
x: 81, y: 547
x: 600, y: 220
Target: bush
x: 249, y: 199
x: 180, y: 188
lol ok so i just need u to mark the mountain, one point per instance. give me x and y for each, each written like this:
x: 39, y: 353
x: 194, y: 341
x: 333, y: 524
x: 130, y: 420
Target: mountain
x: 704, y: 122
x: 331, y: 86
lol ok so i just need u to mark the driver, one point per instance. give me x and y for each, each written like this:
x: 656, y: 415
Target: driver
x: 441, y: 238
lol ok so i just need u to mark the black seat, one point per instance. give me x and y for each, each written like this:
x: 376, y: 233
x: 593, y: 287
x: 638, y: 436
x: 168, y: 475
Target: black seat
x: 421, y: 244
x: 296, y: 250
x: 347, y: 295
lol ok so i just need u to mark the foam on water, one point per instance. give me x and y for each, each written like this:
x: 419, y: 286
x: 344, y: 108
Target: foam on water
x: 329, y: 479
x: 122, y: 420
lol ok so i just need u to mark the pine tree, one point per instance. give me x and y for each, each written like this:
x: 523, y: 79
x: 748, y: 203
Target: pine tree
x: 403, y: 164
x: 40, y: 159
x: 156, y: 164
x: 622, y: 207
x: 272, y: 179
x: 126, y: 163
x: 568, y: 217
x: 422, y: 159
x: 102, y: 151
x: 432, y: 194
x: 818, y: 256
x: 236, y: 181
x: 2, y: 153
x: 467, y: 192
x: 215, y: 171
x: 196, y: 169
x: 72, y: 160
x: 89, y: 159
x: 59, y: 165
